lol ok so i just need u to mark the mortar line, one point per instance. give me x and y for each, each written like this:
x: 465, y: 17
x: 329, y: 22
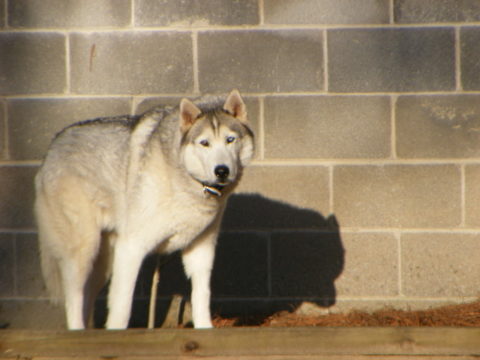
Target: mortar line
x: 132, y: 14
x: 429, y: 299
x: 391, y: 12
x: 6, y: 138
x: 458, y: 60
x: 407, y: 299
x: 18, y: 231
x: 325, y: 61
x: 318, y: 162
x: 363, y: 162
x: 133, y: 105
x: 20, y: 163
x: 256, y: 27
x: 83, y: 96
x: 261, y: 128
x: 456, y: 230
x: 5, y: 14
x: 343, y: 230
x: 251, y: 94
x: 269, y: 265
x: 15, y: 265
x: 331, y: 196
x: 463, y: 210
x: 261, y: 12
x: 398, y: 236
x: 393, y: 124
x: 68, y: 84
x: 196, y: 81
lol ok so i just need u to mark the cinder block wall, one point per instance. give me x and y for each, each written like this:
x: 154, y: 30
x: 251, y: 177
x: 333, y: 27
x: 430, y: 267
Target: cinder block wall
x: 365, y: 187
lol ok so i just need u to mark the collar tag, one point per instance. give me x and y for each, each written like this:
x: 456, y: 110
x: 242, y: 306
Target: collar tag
x: 211, y: 190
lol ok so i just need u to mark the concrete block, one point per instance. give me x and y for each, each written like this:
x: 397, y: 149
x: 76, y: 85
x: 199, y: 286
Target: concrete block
x: 371, y: 265
x: 29, y: 275
x: 327, y: 127
x: 390, y: 60
x: 472, y: 195
x: 432, y: 11
x: 2, y: 13
x: 34, y: 122
x: 326, y: 12
x: 255, y: 212
x: 306, y: 264
x: 148, y: 103
x: 241, y: 266
x: 438, y: 126
x: 7, y: 265
x: 195, y: 13
x: 290, y: 187
x: 32, y: 315
x: 17, y: 195
x: 68, y: 13
x: 261, y: 61
x: 398, y: 196
x: 131, y: 62
x: 440, y: 264
x: 32, y: 63
x: 470, y: 52
x: 345, y: 305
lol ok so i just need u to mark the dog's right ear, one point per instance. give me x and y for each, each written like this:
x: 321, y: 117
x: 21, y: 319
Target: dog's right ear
x: 189, y: 113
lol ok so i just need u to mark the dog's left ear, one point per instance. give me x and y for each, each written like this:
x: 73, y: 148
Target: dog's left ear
x: 235, y: 106
x: 189, y: 113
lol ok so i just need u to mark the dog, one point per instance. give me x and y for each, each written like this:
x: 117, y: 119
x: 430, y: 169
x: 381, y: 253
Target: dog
x: 112, y: 190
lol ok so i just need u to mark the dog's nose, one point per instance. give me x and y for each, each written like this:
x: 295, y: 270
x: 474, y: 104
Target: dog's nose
x: 222, y: 171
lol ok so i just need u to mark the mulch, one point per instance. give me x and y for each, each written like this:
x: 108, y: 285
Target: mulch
x: 461, y: 315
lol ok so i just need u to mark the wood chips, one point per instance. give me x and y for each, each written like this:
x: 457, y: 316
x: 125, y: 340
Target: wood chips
x: 462, y: 315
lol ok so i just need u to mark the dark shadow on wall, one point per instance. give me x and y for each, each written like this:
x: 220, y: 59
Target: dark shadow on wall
x: 271, y: 256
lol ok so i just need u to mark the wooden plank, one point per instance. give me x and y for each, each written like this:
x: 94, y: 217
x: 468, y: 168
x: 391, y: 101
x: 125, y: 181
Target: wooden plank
x: 239, y: 342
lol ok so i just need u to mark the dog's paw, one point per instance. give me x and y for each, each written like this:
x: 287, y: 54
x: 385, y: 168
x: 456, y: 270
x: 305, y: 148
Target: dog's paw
x: 203, y: 325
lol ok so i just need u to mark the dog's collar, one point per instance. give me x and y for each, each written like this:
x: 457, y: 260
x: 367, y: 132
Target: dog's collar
x: 215, y: 190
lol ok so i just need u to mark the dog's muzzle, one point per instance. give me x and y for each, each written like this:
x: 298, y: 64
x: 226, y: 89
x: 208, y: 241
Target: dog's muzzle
x: 221, y: 172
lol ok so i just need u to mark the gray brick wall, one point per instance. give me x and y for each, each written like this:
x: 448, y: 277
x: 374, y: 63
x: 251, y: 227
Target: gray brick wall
x: 364, y: 190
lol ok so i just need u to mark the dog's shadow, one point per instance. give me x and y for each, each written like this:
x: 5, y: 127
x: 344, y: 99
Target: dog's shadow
x: 271, y: 256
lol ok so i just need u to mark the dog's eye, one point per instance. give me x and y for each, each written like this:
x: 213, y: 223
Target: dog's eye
x: 230, y: 139
x: 204, y: 143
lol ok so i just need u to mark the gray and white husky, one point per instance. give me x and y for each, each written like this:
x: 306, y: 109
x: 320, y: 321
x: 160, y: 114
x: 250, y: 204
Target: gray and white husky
x: 112, y: 190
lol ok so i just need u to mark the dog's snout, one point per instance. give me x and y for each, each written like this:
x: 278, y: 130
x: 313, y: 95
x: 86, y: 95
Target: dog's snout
x: 222, y: 171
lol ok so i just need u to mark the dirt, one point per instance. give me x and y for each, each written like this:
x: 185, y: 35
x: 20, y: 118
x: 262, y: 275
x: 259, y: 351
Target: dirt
x: 462, y: 315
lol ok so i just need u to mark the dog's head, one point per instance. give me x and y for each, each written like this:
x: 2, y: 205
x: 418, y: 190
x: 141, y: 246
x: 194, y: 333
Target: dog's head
x: 216, y: 143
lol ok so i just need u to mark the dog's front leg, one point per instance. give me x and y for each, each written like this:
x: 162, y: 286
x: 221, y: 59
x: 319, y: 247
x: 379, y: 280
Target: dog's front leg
x: 126, y: 265
x: 198, y: 263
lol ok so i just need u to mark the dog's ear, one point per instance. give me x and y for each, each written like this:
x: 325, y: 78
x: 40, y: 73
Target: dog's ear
x: 235, y: 106
x: 188, y: 114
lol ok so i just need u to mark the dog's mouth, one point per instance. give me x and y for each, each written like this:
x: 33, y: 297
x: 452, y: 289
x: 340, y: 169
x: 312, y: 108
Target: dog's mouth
x: 213, y: 189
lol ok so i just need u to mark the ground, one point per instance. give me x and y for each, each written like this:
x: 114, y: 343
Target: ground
x: 462, y: 315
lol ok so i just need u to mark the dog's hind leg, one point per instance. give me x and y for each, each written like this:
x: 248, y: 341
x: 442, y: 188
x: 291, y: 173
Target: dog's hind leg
x: 99, y: 276
x: 76, y: 270
x: 70, y: 237
x: 128, y: 258
x: 73, y: 286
